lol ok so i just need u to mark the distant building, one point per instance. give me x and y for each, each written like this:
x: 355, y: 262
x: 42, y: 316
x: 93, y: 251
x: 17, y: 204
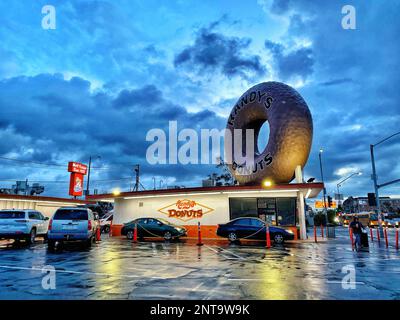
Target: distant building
x: 23, y: 188
x: 360, y: 204
x: 208, y: 183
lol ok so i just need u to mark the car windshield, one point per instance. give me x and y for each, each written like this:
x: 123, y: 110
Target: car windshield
x: 12, y: 215
x: 71, y: 214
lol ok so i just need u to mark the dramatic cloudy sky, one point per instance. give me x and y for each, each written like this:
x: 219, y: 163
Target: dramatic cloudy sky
x: 112, y: 70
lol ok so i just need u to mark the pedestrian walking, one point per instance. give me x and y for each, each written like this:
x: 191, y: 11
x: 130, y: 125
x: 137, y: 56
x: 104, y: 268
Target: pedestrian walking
x: 357, y: 228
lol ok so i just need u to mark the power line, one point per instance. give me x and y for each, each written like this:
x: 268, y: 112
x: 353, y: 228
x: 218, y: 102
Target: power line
x: 63, y: 181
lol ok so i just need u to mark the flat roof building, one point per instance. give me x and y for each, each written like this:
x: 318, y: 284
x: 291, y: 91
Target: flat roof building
x: 279, y: 205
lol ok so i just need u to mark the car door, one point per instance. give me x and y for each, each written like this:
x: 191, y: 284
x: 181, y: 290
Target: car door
x: 258, y: 229
x: 34, y: 221
x: 155, y: 228
x: 242, y: 227
x: 42, y: 223
x: 141, y: 227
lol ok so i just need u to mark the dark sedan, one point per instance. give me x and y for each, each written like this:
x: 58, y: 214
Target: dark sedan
x: 252, y: 228
x: 153, y: 228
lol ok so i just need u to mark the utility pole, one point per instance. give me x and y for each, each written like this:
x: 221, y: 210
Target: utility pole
x: 136, y: 169
x: 88, y: 177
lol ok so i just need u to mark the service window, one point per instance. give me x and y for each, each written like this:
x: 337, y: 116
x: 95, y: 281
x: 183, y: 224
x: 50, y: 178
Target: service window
x: 243, y: 207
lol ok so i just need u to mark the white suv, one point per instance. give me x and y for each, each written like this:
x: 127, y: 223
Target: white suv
x: 22, y: 224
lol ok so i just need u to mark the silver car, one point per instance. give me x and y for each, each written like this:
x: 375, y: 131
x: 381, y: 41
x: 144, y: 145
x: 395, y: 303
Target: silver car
x: 22, y: 224
x: 73, y: 224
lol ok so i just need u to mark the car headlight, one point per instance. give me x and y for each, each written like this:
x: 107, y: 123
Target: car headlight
x: 289, y: 231
x: 336, y: 219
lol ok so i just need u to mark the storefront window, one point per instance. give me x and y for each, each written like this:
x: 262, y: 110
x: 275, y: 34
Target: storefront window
x: 286, y: 211
x: 275, y: 211
x: 243, y: 207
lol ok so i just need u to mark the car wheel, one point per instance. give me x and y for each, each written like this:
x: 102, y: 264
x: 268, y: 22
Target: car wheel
x: 129, y: 234
x: 32, y: 236
x: 51, y: 245
x: 278, y: 238
x: 45, y: 237
x: 89, y: 242
x: 107, y: 229
x: 167, y: 236
x: 232, y: 237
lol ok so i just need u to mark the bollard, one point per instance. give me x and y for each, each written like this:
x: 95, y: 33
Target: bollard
x: 315, y: 234
x: 199, y: 243
x: 397, y: 238
x: 267, y: 237
x: 351, y: 239
x: 98, y: 234
x: 371, y: 233
x: 135, y: 234
x: 322, y: 231
x: 386, y: 237
x: 111, y: 228
x: 378, y: 236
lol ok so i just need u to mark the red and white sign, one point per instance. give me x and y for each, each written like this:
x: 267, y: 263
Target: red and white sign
x: 185, y: 210
x: 78, y: 170
x: 77, y: 167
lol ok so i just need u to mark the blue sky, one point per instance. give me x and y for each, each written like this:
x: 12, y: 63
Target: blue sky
x: 112, y: 70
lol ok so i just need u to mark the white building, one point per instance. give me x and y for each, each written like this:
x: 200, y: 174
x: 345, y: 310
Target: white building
x: 46, y: 205
x: 279, y: 205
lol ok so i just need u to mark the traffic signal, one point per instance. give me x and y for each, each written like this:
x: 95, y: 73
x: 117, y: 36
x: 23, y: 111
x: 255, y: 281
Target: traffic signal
x: 371, y: 199
x: 329, y: 201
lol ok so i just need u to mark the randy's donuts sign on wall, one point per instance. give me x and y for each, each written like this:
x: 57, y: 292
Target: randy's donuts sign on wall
x: 185, y: 210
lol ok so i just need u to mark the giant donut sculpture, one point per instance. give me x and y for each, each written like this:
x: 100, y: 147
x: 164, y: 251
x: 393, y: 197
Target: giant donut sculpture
x: 290, y: 137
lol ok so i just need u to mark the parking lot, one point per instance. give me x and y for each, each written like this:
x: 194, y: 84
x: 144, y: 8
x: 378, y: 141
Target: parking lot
x: 118, y: 269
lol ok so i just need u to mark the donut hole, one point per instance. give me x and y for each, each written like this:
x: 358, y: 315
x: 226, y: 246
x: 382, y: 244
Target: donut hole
x: 262, y: 137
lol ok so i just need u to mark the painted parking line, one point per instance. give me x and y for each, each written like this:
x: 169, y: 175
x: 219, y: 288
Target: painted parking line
x: 98, y: 274
x: 341, y: 282
x: 219, y: 253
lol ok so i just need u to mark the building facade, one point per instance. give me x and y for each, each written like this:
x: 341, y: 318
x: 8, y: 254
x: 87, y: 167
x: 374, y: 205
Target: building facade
x: 278, y: 205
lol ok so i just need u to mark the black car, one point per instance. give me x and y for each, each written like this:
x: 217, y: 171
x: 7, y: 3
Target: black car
x: 151, y: 227
x: 252, y: 228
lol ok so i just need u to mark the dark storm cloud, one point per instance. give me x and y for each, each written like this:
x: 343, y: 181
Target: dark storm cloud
x: 148, y: 95
x: 70, y: 120
x: 294, y: 63
x: 212, y: 51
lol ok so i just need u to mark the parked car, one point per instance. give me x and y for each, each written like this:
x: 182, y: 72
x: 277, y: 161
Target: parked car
x: 105, y: 222
x: 22, y: 225
x: 70, y: 224
x: 151, y: 227
x: 252, y: 228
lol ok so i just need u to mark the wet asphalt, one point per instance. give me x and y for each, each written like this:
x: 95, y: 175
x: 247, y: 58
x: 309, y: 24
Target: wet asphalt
x: 116, y: 268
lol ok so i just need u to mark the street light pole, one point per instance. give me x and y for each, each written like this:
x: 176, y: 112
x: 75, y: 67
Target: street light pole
x: 345, y: 179
x: 322, y: 179
x: 375, y: 180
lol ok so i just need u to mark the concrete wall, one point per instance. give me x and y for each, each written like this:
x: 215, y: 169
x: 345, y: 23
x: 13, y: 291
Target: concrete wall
x: 45, y: 207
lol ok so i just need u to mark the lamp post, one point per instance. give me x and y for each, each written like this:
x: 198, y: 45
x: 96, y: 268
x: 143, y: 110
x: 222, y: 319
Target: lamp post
x: 345, y: 179
x: 322, y: 174
x: 88, y: 177
x: 375, y: 180
x: 161, y: 182
x: 154, y: 182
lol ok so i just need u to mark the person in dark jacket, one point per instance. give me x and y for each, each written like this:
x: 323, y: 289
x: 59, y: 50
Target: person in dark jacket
x: 357, y: 227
